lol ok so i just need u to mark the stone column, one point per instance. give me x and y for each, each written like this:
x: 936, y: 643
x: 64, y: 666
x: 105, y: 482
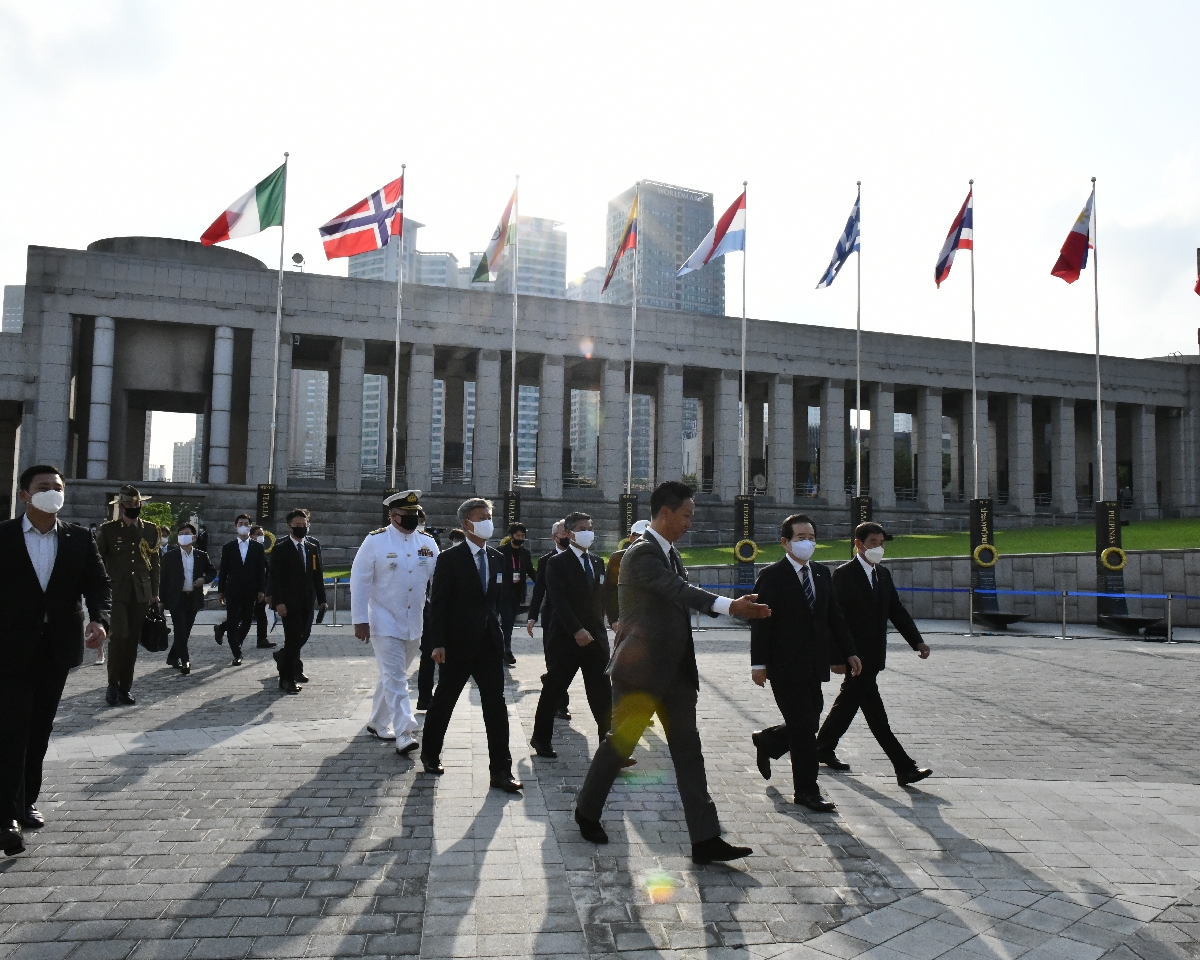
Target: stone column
x: 485, y: 459
x: 781, y: 484
x: 1020, y: 453
x: 222, y: 402
x: 419, y: 422
x: 550, y: 428
x: 614, y: 412
x: 968, y: 450
x: 929, y: 439
x: 350, y: 395
x: 100, y: 411
x: 726, y: 463
x: 833, y: 442
x: 1062, y: 455
x: 258, y: 432
x: 670, y: 424
x: 1108, y: 423
x: 1145, y: 459
x: 883, y: 445
x: 283, y: 431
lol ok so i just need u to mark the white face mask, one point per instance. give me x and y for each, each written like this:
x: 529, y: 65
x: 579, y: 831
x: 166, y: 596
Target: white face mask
x: 243, y: 531
x: 585, y: 538
x: 874, y: 554
x: 483, y: 529
x: 260, y: 539
x: 420, y: 528
x: 185, y: 539
x: 802, y: 550
x: 49, y: 501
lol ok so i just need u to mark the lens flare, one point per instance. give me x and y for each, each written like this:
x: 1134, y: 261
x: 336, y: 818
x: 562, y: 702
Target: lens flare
x: 660, y: 887
x: 585, y: 348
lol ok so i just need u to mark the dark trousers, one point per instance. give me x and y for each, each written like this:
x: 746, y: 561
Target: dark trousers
x: 125, y: 632
x: 425, y: 673
x: 27, y: 709
x: 182, y: 620
x: 239, y: 617
x: 260, y: 620
x: 632, y: 710
x: 800, y: 702
x: 297, y: 626
x: 483, y: 665
x: 549, y: 653
x: 862, y: 692
x: 509, y: 608
x: 569, y: 660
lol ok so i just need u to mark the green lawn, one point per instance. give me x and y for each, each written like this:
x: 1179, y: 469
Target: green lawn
x: 1150, y: 535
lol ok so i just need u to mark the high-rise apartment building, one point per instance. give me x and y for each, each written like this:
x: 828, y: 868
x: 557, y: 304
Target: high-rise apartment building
x: 307, y: 423
x: 183, y: 463
x: 585, y: 431
x: 527, y: 430
x: 384, y: 264
x: 466, y: 273
x: 437, y: 428
x: 542, y: 270
x: 14, y: 309
x: 671, y: 223
x: 437, y: 269
x: 586, y: 288
x: 374, y: 416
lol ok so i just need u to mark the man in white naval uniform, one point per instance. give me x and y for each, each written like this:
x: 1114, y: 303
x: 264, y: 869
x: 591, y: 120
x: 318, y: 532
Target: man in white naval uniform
x: 387, y: 598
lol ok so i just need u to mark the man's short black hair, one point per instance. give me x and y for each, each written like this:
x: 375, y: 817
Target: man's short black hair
x: 456, y: 535
x: 185, y: 525
x: 293, y: 514
x: 670, y: 494
x: 866, y: 529
x: 787, y: 531
x: 36, y: 470
x: 518, y: 527
x: 574, y: 517
x: 243, y: 516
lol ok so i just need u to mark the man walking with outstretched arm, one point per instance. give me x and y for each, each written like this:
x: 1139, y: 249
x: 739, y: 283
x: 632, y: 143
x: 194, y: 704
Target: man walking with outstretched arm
x: 654, y: 670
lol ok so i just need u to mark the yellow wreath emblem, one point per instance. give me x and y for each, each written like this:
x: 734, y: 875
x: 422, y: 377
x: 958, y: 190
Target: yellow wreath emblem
x: 977, y: 555
x: 1107, y: 553
x: 746, y: 551
x: 270, y: 541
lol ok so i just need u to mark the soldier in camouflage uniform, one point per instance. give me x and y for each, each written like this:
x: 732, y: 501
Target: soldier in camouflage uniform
x: 129, y: 549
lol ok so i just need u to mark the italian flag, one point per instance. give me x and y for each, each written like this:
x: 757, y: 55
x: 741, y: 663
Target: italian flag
x: 252, y: 212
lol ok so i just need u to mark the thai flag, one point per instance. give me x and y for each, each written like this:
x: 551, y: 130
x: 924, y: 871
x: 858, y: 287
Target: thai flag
x: 726, y: 236
x: 1073, y: 256
x: 959, y: 238
x: 368, y: 225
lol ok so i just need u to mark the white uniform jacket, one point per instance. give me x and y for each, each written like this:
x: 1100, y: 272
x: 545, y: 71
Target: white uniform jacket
x: 388, y: 579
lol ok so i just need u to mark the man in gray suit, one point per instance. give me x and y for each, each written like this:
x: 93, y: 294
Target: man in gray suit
x: 653, y: 670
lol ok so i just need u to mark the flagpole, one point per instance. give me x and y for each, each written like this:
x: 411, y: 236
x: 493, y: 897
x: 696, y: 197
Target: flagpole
x: 858, y: 358
x: 743, y: 410
x: 1096, y: 311
x: 637, y: 249
x: 278, y: 329
x: 974, y: 392
x: 512, y: 391
x: 399, y: 305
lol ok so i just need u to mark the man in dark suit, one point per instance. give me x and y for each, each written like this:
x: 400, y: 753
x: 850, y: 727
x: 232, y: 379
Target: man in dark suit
x: 467, y: 643
x: 427, y: 668
x: 868, y: 598
x: 46, y: 566
x: 259, y: 536
x: 185, y: 571
x: 242, y: 584
x: 297, y: 585
x: 541, y: 608
x: 518, y: 571
x: 653, y: 670
x: 575, y: 585
x: 794, y: 649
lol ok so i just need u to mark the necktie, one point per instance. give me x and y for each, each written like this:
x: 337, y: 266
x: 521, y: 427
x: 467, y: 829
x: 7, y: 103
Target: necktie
x: 809, y: 596
x: 677, y: 564
x: 875, y: 583
x: 481, y: 563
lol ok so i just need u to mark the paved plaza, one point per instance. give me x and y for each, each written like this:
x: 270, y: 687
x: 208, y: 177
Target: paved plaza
x: 220, y: 818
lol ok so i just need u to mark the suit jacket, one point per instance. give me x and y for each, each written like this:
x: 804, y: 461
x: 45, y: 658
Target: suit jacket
x: 655, y: 645
x: 578, y: 599
x: 868, y: 618
x: 523, y: 568
x: 462, y: 615
x: 173, y: 595
x: 237, y: 578
x: 131, y: 557
x: 294, y: 583
x: 795, y: 642
x: 612, y: 576
x: 540, y: 604
x: 78, y: 577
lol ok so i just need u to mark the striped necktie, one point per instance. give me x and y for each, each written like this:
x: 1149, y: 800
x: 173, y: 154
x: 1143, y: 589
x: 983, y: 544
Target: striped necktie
x: 806, y: 583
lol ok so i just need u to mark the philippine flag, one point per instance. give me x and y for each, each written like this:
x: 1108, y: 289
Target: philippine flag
x: 1073, y: 256
x: 726, y: 236
x: 960, y: 237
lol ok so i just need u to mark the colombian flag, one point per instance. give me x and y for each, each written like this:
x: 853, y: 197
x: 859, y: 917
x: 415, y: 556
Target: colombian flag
x: 1074, y: 254
x: 628, y: 242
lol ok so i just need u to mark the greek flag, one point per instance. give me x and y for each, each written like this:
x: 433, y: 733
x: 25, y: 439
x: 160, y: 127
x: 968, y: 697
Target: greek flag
x: 847, y: 244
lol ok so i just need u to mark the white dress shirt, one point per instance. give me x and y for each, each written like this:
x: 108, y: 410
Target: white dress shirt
x: 866, y: 565
x: 587, y: 563
x: 43, y: 550
x: 244, y: 547
x: 720, y: 604
x: 189, y: 564
x: 801, y: 571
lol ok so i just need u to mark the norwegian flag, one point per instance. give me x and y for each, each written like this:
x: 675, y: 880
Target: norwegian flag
x: 368, y: 225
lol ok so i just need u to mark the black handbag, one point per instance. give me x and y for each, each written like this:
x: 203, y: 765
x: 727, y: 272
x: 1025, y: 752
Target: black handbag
x: 155, y: 631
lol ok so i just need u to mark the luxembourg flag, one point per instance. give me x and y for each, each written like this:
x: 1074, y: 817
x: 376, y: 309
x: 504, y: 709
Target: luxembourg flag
x: 1073, y: 256
x: 726, y: 236
x: 960, y: 237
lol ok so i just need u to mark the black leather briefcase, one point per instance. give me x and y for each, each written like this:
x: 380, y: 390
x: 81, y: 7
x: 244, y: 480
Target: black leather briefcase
x: 155, y: 631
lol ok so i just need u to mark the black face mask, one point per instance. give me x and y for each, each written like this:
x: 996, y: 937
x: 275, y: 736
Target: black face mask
x: 518, y: 543
x: 563, y: 543
x: 300, y: 532
x: 132, y: 512
x: 409, y: 521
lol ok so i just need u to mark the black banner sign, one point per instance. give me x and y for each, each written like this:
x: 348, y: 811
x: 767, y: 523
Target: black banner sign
x: 266, y: 505
x: 627, y: 513
x: 983, y: 559
x: 743, y: 519
x: 511, y: 508
x: 860, y: 512
x: 1108, y: 548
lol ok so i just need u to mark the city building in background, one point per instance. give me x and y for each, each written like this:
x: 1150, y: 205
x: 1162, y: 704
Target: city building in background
x: 384, y: 264
x: 643, y: 440
x: 14, y: 309
x: 308, y: 420
x: 527, y: 431
x: 437, y: 432
x: 586, y: 288
x: 466, y: 273
x: 374, y: 443
x: 585, y: 433
x: 671, y: 223
x: 693, y: 442
x: 183, y: 463
x: 438, y: 269
x: 542, y: 270
x: 156, y: 471
x: 468, y: 425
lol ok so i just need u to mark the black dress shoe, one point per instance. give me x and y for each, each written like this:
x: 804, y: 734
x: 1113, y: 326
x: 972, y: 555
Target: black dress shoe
x: 590, y: 830
x: 301, y: 678
x: 265, y: 646
x: 543, y: 749
x: 173, y: 660
x: 185, y: 668
x: 628, y: 762
x: 236, y: 662
x: 422, y: 705
x: 506, y: 782
x: 219, y: 632
x: 111, y: 696
x: 510, y: 659
x: 32, y: 818
x: 763, y: 759
x: 288, y: 686
x: 716, y: 850
x: 814, y: 801
x: 913, y: 775
x: 830, y: 759
x: 125, y: 699
x: 562, y: 714
x: 432, y: 765
x: 10, y: 838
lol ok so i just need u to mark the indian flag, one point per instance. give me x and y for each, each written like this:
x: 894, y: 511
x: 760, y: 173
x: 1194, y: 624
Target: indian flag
x: 252, y: 212
x: 502, y: 236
